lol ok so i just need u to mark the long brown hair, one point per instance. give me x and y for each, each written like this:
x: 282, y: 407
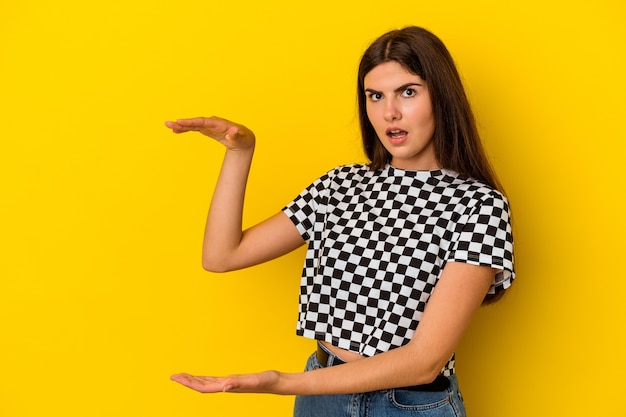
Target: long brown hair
x: 456, y: 139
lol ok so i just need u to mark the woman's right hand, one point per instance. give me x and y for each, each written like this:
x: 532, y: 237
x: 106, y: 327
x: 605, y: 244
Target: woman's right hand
x: 232, y: 135
x: 227, y: 246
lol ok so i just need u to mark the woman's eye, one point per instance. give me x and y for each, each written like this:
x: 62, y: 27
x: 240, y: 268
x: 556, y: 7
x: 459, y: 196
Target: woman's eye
x: 409, y: 92
x: 375, y: 96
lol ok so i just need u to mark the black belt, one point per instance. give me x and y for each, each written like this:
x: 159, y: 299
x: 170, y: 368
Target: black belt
x: 441, y: 383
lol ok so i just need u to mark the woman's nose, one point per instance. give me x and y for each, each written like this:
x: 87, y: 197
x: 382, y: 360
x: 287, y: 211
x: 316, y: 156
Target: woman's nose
x: 392, y: 112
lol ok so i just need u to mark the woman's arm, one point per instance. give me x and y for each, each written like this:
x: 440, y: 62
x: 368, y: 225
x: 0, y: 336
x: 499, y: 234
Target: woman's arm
x: 226, y: 247
x: 458, y: 294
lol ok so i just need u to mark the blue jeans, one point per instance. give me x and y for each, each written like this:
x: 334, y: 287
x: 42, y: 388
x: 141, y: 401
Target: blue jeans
x: 384, y: 403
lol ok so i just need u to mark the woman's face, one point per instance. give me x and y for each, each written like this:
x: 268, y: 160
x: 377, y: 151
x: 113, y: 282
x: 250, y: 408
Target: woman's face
x: 398, y: 106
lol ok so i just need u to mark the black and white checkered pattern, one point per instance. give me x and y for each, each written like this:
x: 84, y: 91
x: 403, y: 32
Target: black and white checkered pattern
x: 378, y: 241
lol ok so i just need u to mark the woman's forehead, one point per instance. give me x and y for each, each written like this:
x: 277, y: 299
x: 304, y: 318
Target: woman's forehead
x: 390, y: 73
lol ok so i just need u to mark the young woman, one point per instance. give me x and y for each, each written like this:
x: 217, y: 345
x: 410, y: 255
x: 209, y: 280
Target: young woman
x: 401, y: 252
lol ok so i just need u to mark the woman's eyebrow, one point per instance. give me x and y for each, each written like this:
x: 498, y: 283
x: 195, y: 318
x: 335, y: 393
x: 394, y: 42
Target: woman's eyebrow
x: 407, y: 85
x: 397, y: 90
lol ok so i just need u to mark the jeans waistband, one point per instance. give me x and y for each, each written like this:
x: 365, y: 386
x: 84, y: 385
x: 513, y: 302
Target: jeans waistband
x: 327, y: 359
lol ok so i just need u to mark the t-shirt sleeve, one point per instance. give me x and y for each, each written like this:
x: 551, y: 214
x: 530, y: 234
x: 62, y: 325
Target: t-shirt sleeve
x: 486, y: 239
x: 306, y: 208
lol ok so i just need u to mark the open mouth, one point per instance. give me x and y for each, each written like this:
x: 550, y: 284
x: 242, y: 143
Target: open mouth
x: 396, y: 133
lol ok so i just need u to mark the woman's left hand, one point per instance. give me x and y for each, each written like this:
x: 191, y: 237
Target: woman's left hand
x: 264, y: 382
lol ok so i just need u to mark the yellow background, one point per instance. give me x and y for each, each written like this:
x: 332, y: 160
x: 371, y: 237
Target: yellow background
x: 102, y: 295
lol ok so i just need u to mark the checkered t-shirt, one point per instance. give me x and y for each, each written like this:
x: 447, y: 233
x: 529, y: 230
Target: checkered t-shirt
x: 377, y: 244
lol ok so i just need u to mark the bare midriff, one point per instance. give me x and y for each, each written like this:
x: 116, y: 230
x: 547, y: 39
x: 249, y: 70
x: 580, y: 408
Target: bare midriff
x: 344, y: 355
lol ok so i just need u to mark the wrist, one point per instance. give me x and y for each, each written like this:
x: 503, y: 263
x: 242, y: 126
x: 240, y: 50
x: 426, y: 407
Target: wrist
x: 248, y: 149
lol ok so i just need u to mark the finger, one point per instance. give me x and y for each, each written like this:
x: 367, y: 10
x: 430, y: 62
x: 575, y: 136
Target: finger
x: 204, y: 384
x: 180, y: 377
x: 193, y: 121
x: 232, y: 383
x: 188, y: 377
x: 172, y: 125
x: 232, y: 133
x: 177, y: 128
x: 203, y: 122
